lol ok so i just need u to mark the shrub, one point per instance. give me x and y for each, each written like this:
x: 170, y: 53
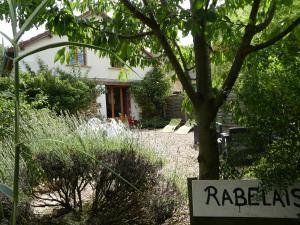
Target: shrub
x: 68, y: 167
x: 280, y: 165
x: 7, y: 105
x: 151, y: 93
x: 25, y: 213
x: 153, y: 123
x: 61, y: 182
x: 65, y: 91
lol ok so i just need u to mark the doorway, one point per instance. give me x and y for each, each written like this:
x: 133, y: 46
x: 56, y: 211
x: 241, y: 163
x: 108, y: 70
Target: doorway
x: 117, y: 102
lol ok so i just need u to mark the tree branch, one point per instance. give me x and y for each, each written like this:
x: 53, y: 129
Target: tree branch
x: 181, y: 56
x: 122, y: 36
x: 132, y: 36
x: 242, y: 52
x: 166, y: 46
x: 268, y: 18
x: 278, y: 37
x: 148, y: 8
x: 206, y: 5
x: 214, y: 4
x: 253, y: 13
x: 185, y: 81
x: 138, y: 14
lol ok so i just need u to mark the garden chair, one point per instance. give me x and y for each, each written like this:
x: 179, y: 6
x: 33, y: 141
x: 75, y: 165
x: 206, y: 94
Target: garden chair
x: 187, y: 127
x: 173, y: 124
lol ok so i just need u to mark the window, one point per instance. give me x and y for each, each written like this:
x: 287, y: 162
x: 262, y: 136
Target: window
x: 77, y: 56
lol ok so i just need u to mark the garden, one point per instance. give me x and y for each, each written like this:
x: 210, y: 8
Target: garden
x: 61, y: 165
x: 75, y: 168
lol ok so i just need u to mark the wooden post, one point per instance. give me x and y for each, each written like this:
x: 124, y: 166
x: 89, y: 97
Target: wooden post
x: 122, y: 105
x: 112, y: 102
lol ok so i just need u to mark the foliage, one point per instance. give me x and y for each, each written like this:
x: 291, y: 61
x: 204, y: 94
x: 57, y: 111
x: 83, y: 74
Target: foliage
x: 65, y: 91
x: 280, y: 165
x: 151, y: 93
x: 268, y: 101
x: 153, y: 122
x: 229, y: 172
x: 7, y: 104
x: 25, y: 211
x: 276, y: 74
x: 32, y: 17
x: 63, y: 162
x: 57, y: 90
x: 222, y: 33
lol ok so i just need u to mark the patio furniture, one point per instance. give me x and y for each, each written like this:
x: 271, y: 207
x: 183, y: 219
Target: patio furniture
x: 186, y: 128
x: 173, y: 124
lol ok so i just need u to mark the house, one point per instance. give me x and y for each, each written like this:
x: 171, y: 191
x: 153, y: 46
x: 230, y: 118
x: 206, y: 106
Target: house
x: 116, y: 101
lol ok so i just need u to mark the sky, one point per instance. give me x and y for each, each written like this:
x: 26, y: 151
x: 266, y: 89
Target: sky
x: 6, y: 28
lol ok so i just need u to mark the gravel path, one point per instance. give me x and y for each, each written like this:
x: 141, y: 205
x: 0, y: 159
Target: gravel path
x: 177, y: 149
x: 181, y: 157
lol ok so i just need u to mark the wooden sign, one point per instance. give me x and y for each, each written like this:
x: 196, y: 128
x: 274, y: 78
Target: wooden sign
x: 243, y: 198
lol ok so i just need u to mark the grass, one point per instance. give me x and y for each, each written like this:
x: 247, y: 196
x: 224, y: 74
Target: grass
x: 44, y: 131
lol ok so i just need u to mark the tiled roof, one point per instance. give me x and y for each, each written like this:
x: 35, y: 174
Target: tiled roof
x: 38, y: 37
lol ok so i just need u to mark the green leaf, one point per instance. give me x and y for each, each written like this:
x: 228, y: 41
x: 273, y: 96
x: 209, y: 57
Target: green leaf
x: 124, y: 50
x: 211, y: 16
x: 199, y: 4
x: 62, y: 59
x: 68, y: 57
x: 60, y: 53
x: 287, y: 2
x: 297, y: 33
x: 13, y: 16
x: 6, y: 191
x: 7, y: 37
x: 30, y: 19
x: 122, y: 75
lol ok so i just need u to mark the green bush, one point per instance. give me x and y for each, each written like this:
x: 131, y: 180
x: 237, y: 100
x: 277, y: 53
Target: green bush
x: 65, y: 91
x: 7, y: 104
x: 269, y: 102
x: 53, y: 89
x: 153, y: 123
x: 280, y: 165
x: 25, y: 214
x: 151, y: 93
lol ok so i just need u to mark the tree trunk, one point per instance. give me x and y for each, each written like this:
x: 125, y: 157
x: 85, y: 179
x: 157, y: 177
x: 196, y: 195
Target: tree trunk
x: 208, y: 154
x: 208, y: 157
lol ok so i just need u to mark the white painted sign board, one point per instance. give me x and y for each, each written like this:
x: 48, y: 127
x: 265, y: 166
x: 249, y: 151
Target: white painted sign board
x: 243, y: 198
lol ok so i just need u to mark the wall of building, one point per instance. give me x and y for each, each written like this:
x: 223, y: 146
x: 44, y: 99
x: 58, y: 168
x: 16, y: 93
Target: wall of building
x: 98, y: 68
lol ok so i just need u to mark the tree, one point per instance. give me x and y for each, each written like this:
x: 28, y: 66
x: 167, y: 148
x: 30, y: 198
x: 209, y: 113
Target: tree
x: 228, y: 31
x: 218, y: 35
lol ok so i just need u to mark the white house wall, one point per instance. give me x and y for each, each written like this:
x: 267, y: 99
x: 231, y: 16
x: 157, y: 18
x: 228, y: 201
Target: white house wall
x: 96, y: 68
x: 135, y: 109
x: 101, y: 104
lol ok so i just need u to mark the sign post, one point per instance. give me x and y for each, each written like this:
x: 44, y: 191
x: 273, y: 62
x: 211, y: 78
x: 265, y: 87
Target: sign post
x: 242, y: 202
